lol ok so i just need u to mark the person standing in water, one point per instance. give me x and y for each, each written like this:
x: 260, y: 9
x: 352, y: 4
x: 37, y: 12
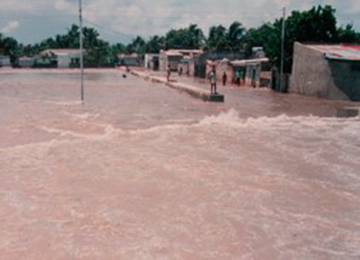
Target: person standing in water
x: 168, y: 73
x: 213, y: 81
x: 224, y: 78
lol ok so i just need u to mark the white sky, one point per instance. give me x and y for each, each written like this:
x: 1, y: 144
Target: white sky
x: 31, y: 21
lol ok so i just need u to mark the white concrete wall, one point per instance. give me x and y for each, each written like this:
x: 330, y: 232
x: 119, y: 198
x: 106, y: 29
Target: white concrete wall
x: 311, y: 74
x: 63, y: 61
x: 5, y: 61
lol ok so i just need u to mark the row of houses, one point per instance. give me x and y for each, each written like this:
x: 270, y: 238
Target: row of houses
x: 55, y: 58
x: 198, y: 63
x: 325, y: 71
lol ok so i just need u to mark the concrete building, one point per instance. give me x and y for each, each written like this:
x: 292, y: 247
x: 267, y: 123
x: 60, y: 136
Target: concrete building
x: 152, y: 61
x: 254, y: 72
x: 132, y: 60
x: 26, y: 62
x: 201, y: 61
x: 175, y: 57
x: 65, y: 58
x: 326, y: 71
x: 5, y: 61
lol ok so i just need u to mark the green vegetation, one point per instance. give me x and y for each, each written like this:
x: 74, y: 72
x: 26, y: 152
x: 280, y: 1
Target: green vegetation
x: 317, y: 25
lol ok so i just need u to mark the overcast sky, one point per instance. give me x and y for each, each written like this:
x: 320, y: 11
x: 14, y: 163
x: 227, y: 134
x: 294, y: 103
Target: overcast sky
x: 31, y: 21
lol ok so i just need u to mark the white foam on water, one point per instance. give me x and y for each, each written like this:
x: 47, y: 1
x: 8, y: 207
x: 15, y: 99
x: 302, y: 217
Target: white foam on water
x: 65, y: 103
x: 232, y: 119
x: 109, y: 132
x: 82, y: 116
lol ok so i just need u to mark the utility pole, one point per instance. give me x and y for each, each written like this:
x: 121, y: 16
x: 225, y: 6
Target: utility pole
x: 282, y: 85
x: 81, y: 51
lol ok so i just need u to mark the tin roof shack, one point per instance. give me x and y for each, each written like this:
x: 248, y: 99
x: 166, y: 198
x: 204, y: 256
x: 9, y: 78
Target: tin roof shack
x: 151, y: 61
x: 326, y: 71
x: 26, y: 62
x: 5, y: 61
x: 65, y: 58
x: 131, y: 60
x: 174, y: 57
x: 221, y: 67
x: 255, y: 72
x: 201, y: 61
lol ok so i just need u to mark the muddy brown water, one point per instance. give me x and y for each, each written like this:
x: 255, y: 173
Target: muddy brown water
x: 140, y: 171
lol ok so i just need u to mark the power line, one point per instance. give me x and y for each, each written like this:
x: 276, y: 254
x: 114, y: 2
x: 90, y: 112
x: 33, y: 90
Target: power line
x: 109, y: 30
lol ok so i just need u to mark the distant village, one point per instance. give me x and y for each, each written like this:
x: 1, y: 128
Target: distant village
x: 318, y: 59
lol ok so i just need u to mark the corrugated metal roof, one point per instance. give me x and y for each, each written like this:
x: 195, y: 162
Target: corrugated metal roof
x: 62, y: 52
x: 247, y: 62
x: 339, y: 52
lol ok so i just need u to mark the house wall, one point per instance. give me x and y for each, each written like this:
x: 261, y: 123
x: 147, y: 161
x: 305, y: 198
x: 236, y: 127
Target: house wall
x: 26, y: 62
x: 221, y: 68
x: 148, y: 60
x: 162, y: 61
x: 5, y: 61
x: 346, y: 76
x: 312, y: 75
x: 63, y: 61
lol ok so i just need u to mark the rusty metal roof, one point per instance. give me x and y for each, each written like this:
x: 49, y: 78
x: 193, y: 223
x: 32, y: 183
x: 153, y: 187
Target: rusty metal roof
x: 339, y: 52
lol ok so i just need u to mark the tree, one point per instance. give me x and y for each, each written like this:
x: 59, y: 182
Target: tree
x: 347, y: 34
x: 218, y: 39
x: 317, y: 25
x: 155, y: 44
x: 137, y: 46
x: 235, y: 35
x: 196, y: 35
x: 185, y: 38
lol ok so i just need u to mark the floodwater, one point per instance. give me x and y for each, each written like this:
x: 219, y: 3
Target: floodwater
x: 140, y: 171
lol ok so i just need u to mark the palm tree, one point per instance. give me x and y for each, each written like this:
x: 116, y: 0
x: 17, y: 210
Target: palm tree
x: 197, y: 36
x: 218, y: 38
x: 155, y: 44
x: 235, y: 35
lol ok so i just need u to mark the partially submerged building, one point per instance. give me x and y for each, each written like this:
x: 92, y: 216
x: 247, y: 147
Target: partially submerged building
x: 5, y: 61
x: 133, y: 60
x: 255, y: 72
x: 65, y: 58
x: 152, y: 61
x: 252, y: 72
x: 176, y: 58
x: 326, y: 71
x: 201, y: 61
x: 26, y: 62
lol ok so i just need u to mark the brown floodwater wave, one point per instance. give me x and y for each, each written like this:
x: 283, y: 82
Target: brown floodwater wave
x: 140, y: 171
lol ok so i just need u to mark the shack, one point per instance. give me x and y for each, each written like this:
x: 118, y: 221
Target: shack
x: 133, y: 60
x: 326, y: 71
x: 151, y: 61
x: 5, y: 61
x: 177, y: 58
x: 255, y: 72
x: 64, y: 58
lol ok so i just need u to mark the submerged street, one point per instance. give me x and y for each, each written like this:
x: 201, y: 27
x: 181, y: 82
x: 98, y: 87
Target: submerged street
x: 141, y: 171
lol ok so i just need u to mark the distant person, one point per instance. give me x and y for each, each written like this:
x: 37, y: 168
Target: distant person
x: 212, y: 76
x: 188, y: 71
x: 224, y: 78
x: 168, y: 73
x: 237, y: 77
x: 180, y: 71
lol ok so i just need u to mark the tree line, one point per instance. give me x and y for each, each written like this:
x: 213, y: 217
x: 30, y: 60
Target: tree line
x: 317, y: 25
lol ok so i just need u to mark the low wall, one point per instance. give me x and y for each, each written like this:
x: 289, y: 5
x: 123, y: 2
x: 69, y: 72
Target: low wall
x: 191, y: 90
